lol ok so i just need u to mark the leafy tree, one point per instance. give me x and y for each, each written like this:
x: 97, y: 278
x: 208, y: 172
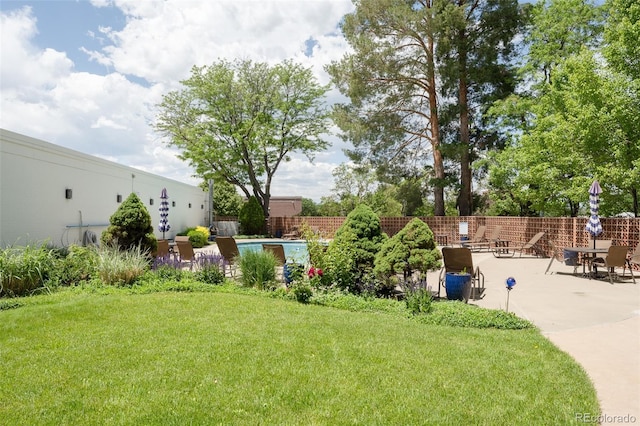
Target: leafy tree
x: 309, y: 208
x: 621, y: 35
x: 390, y: 78
x: 130, y: 227
x: 410, y: 196
x: 251, y: 217
x: 560, y: 29
x: 622, y: 51
x: 575, y: 123
x: 584, y: 130
x: 329, y: 206
x: 239, y: 121
x: 352, y: 184
x: 226, y: 200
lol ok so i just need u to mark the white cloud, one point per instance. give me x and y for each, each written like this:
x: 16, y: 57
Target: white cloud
x: 22, y: 64
x: 45, y: 95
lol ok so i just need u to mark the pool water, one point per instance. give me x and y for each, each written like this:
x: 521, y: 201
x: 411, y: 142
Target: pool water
x: 294, y: 251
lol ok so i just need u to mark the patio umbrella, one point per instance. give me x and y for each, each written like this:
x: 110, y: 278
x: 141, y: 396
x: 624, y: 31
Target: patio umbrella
x: 594, y: 227
x: 164, y: 212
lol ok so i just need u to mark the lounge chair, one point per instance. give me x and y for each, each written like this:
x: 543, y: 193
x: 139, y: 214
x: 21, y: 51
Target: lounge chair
x: 489, y: 241
x: 278, y: 253
x: 616, y: 258
x: 163, y: 249
x: 531, y: 245
x: 477, y: 238
x: 294, y: 234
x: 458, y: 259
x: 229, y: 250
x: 185, y: 253
x: 635, y: 258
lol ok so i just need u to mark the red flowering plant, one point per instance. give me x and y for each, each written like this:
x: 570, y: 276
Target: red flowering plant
x: 315, y: 276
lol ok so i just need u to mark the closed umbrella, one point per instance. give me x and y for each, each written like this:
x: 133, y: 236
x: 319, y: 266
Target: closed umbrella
x: 164, y: 212
x: 594, y: 227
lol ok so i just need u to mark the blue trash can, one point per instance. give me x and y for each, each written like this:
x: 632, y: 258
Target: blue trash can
x: 458, y: 286
x: 291, y: 271
x: 570, y: 257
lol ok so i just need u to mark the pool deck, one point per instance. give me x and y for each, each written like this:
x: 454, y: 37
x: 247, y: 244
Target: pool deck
x: 597, y: 323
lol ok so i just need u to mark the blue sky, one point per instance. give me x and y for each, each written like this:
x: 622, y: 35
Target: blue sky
x: 67, y: 26
x: 87, y: 74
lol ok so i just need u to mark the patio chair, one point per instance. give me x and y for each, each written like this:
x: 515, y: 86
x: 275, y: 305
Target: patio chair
x: 278, y: 253
x: 229, y: 250
x: 559, y: 254
x: 163, y: 249
x: 490, y: 240
x: 531, y: 245
x: 634, y: 259
x: 616, y: 258
x: 185, y: 253
x: 599, y: 244
x: 477, y: 238
x: 458, y: 259
x: 294, y: 234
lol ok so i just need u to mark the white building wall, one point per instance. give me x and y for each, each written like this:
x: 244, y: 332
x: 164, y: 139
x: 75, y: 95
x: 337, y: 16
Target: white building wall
x: 34, y: 176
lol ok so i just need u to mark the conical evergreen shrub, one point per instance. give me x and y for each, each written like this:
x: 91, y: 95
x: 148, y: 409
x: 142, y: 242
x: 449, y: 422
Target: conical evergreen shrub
x: 130, y: 227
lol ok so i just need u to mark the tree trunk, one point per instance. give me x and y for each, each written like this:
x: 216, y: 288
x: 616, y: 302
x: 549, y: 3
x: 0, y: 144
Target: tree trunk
x: 464, y: 200
x: 438, y: 162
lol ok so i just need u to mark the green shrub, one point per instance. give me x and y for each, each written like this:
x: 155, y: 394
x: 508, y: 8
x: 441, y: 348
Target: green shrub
x: 302, y: 291
x: 413, y: 249
x: 258, y: 269
x: 210, y: 274
x: 131, y: 227
x: 460, y: 314
x: 418, y: 301
x: 77, y: 264
x: 121, y: 267
x: 186, y: 231
x: 210, y: 268
x: 251, y: 217
x: 339, y: 265
x: 198, y: 238
x: 169, y: 272
x: 24, y: 270
x: 351, y: 254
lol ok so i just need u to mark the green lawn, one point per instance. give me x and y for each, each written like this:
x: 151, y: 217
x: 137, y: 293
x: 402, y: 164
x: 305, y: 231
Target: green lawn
x: 220, y: 358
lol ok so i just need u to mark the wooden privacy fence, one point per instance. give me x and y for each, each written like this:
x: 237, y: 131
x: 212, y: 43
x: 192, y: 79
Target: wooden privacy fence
x: 563, y: 231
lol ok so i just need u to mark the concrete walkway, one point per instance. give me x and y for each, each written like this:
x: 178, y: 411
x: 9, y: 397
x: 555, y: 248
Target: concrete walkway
x: 597, y: 323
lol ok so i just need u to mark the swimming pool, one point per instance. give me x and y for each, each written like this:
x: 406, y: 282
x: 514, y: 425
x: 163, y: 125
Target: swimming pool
x: 294, y: 251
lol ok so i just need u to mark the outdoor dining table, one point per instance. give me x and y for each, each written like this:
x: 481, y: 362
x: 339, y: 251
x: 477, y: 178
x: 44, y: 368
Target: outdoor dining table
x: 587, y: 252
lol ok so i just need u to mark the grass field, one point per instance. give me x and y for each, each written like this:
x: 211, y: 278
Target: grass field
x: 222, y: 358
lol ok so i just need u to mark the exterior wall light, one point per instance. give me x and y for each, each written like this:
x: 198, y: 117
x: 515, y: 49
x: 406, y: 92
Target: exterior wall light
x: 118, y: 198
x: 189, y: 205
x: 151, y: 201
x: 68, y: 193
x: 173, y: 204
